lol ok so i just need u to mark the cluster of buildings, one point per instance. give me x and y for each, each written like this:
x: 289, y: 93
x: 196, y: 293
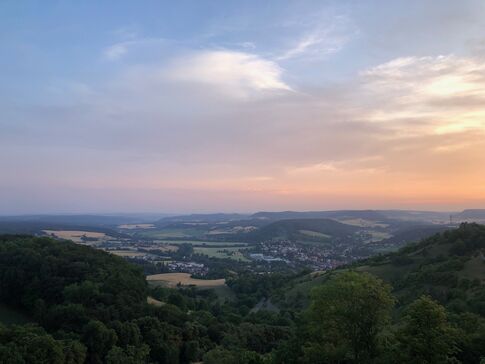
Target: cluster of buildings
x: 193, y: 268
x: 297, y: 255
x: 316, y: 257
x: 266, y: 258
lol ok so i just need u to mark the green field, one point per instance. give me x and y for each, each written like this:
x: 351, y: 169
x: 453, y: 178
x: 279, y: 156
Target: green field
x: 200, y: 243
x: 223, y: 252
x: 378, y: 236
x: 10, y: 316
x: 172, y: 233
x: 315, y: 234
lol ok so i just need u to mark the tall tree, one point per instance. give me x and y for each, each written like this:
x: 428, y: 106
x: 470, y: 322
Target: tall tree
x: 345, y: 317
x: 426, y: 337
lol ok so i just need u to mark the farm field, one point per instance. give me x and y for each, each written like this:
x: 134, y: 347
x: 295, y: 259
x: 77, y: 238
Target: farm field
x: 202, y: 243
x: 173, y: 233
x: 377, y: 236
x: 173, y: 279
x: 126, y: 253
x: 362, y: 223
x: 233, y: 230
x: 218, y: 286
x: 154, y: 302
x: 75, y: 235
x: 315, y: 234
x: 164, y: 248
x: 222, y: 252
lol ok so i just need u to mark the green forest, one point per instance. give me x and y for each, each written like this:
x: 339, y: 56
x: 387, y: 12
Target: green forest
x: 67, y: 303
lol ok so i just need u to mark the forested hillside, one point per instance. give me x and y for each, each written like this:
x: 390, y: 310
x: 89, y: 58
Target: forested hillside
x: 438, y: 281
x: 89, y: 306
x: 424, y: 304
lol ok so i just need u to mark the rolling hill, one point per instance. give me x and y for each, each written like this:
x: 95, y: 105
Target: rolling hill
x: 303, y: 230
x: 37, y: 228
x: 450, y: 267
x: 337, y: 214
x: 478, y: 214
x: 200, y: 218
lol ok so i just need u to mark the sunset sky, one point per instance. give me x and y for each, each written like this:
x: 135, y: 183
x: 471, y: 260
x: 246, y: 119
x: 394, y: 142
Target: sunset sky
x: 203, y: 106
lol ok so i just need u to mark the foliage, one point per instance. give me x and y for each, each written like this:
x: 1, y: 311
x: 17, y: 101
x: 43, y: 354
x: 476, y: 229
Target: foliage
x: 91, y: 307
x: 426, y: 336
x: 31, y: 344
x: 346, y: 316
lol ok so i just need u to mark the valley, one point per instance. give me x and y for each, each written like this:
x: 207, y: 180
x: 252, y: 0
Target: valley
x: 259, y: 242
x: 244, y: 311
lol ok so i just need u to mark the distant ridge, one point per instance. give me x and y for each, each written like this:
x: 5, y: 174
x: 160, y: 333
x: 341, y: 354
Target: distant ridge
x: 332, y: 214
x: 471, y: 214
x: 297, y: 229
x: 202, y: 218
x: 94, y: 220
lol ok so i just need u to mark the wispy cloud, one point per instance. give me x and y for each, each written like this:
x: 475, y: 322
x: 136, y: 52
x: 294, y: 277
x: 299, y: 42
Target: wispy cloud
x: 213, y: 106
x: 322, y: 40
x: 181, y: 125
x: 129, y: 32
x: 118, y: 50
x: 235, y: 73
x: 312, y: 168
x: 316, y: 44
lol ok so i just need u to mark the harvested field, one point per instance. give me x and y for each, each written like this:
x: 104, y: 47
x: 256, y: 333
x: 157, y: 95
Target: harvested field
x: 74, y: 235
x: 154, y: 302
x: 172, y: 279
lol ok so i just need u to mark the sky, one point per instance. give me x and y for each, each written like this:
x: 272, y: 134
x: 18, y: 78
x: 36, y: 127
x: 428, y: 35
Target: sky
x: 204, y: 106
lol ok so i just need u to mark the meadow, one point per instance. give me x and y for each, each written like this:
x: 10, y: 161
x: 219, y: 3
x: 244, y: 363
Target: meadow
x: 221, y: 252
x: 173, y: 233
